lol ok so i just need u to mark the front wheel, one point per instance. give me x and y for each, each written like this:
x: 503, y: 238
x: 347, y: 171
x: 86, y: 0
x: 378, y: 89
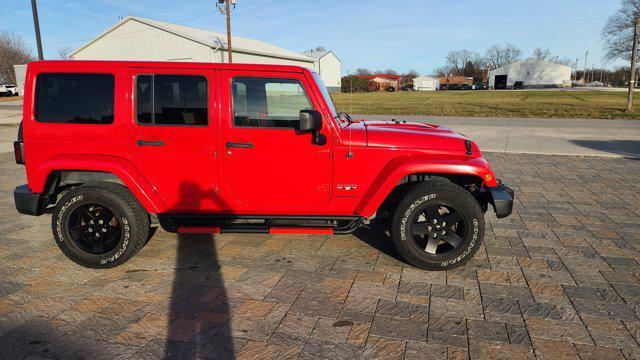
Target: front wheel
x: 100, y: 225
x: 437, y: 226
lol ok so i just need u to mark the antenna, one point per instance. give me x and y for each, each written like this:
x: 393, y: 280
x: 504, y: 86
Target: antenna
x: 349, y: 153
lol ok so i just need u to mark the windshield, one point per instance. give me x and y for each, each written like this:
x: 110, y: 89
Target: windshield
x: 325, y: 94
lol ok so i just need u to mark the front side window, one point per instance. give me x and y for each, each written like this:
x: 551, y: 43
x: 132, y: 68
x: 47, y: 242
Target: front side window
x: 260, y: 102
x: 171, y: 99
x: 74, y: 98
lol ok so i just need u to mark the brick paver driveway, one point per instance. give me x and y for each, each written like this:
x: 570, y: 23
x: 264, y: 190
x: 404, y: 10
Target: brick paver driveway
x: 558, y: 279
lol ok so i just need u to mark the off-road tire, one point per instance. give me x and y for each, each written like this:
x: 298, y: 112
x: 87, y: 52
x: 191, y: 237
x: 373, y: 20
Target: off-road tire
x: 132, y: 217
x: 432, y: 192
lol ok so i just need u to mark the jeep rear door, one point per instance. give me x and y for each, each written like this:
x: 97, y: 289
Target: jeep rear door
x: 173, y: 135
x: 267, y: 164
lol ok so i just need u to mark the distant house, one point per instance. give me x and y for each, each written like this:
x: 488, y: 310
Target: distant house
x: 446, y: 81
x: 328, y: 66
x: 380, y: 82
x: 426, y: 83
x: 533, y: 73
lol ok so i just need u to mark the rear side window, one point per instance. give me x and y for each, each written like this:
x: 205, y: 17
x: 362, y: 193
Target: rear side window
x: 171, y: 99
x: 74, y: 98
x: 260, y: 102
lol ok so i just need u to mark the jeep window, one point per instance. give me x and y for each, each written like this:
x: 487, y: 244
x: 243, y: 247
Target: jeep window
x: 74, y: 98
x: 171, y: 99
x: 260, y: 102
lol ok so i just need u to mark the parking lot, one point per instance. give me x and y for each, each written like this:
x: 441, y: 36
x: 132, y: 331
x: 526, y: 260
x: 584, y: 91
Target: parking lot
x: 557, y: 279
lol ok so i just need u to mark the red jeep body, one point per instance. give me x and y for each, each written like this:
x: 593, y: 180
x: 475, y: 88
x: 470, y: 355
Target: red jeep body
x: 186, y: 174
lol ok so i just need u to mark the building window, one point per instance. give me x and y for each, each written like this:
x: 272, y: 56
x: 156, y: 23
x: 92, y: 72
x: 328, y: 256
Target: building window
x: 74, y: 98
x: 260, y: 102
x: 171, y: 99
x: 528, y: 73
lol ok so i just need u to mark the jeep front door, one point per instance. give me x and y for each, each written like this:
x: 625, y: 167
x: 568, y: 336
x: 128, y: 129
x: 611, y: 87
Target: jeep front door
x: 268, y: 164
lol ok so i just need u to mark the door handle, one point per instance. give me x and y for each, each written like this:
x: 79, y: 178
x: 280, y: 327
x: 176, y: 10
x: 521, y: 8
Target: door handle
x: 230, y: 145
x: 150, y: 143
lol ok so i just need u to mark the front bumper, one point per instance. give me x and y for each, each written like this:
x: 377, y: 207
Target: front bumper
x: 29, y: 203
x: 502, y: 200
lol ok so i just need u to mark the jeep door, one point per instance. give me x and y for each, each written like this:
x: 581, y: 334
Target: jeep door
x: 173, y: 135
x: 267, y: 164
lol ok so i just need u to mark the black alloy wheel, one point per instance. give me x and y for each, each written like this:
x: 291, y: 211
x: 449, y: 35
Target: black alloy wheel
x: 94, y: 229
x: 438, y: 229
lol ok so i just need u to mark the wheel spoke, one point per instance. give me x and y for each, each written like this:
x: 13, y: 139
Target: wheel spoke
x: 97, y: 245
x: 452, y: 239
x: 87, y: 214
x: 419, y: 228
x: 452, y: 218
x: 432, y: 245
x: 112, y: 232
x: 80, y: 232
x: 105, y: 215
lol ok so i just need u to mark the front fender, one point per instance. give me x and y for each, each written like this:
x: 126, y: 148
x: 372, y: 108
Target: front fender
x: 123, y: 169
x: 398, y: 168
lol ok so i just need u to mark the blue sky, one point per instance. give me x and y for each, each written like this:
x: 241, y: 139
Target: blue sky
x: 376, y: 34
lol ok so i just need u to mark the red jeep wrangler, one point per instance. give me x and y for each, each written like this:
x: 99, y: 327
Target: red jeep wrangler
x: 208, y: 148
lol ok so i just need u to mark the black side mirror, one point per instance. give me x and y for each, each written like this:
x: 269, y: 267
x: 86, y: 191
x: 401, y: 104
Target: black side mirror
x: 311, y: 121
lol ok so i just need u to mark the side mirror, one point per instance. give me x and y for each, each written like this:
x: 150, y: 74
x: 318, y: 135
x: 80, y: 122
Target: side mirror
x: 311, y: 121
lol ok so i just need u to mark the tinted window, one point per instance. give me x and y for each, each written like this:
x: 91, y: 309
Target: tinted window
x: 259, y: 102
x: 75, y: 98
x: 171, y: 99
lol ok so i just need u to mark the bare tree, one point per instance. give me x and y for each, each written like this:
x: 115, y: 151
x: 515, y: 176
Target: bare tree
x: 409, y: 76
x: 361, y: 71
x: 388, y: 72
x: 501, y: 56
x: 320, y: 48
x: 64, y: 52
x: 457, y: 60
x: 618, y: 31
x: 442, y: 71
x: 541, y: 54
x: 13, y: 51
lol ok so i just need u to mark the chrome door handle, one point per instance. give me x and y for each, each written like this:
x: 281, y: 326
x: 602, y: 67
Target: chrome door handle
x: 150, y: 143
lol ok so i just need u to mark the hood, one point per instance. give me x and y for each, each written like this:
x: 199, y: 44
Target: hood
x: 408, y: 135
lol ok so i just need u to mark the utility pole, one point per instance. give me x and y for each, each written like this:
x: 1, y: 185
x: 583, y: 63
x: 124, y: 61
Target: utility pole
x: 634, y: 56
x: 36, y: 24
x: 224, y: 6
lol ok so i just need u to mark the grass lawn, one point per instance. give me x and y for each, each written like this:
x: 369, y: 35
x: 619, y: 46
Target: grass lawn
x: 530, y: 103
x: 10, y: 98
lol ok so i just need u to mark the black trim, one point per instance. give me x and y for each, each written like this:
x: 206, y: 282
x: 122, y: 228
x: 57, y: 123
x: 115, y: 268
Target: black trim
x: 502, y: 200
x: 231, y: 223
x: 29, y: 203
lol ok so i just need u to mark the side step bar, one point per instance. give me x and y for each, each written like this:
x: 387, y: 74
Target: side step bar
x: 258, y: 224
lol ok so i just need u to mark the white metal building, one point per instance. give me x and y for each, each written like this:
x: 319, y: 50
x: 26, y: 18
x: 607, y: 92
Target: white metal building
x: 328, y: 66
x: 136, y: 38
x: 426, y: 83
x: 532, y: 72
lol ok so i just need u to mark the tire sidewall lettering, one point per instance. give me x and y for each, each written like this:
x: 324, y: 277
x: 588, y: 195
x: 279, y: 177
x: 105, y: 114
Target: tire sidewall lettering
x: 472, y: 244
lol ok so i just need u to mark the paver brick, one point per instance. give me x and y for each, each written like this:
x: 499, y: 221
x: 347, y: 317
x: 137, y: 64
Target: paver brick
x: 557, y: 279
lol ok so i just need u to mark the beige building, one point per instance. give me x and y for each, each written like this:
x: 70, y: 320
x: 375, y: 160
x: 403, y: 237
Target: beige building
x: 136, y: 38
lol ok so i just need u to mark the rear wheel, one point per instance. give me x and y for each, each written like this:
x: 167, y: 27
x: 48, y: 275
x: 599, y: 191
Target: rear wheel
x: 100, y: 225
x: 437, y: 226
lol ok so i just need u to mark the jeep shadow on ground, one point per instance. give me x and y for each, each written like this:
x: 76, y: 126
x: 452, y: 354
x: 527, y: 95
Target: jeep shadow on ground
x: 627, y: 148
x: 376, y: 235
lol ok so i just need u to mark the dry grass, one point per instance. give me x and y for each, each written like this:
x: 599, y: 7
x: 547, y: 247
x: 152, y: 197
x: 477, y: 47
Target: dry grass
x: 10, y: 98
x: 530, y: 103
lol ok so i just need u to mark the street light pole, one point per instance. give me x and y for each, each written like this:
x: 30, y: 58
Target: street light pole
x: 634, y: 57
x: 36, y: 24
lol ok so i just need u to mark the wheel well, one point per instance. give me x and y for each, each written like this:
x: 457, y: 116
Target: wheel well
x: 471, y: 183
x: 60, y: 181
